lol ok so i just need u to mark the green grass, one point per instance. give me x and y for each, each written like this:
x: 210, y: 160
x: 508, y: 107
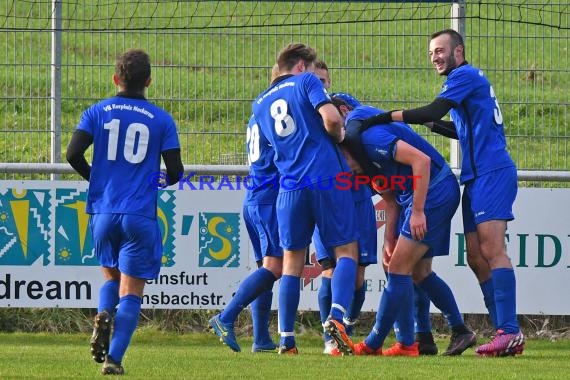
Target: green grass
x: 154, y: 355
x: 207, y: 78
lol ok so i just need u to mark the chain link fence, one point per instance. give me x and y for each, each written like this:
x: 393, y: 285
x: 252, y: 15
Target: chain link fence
x: 211, y: 58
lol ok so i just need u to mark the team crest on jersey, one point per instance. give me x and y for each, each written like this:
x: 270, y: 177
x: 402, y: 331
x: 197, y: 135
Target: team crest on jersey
x: 219, y: 239
x: 24, y: 226
x: 73, y: 244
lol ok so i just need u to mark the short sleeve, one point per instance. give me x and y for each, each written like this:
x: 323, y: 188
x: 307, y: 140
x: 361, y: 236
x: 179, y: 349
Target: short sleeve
x: 86, y: 122
x: 458, y: 86
x: 170, y: 135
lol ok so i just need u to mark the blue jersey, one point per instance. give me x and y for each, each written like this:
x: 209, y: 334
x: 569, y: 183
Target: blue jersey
x: 129, y: 135
x: 263, y: 184
x: 379, y: 143
x: 478, y: 121
x: 362, y: 193
x: 287, y: 114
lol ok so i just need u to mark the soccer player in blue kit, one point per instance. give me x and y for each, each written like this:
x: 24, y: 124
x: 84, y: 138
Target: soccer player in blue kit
x: 421, y: 195
x: 296, y: 115
x: 367, y: 251
x: 489, y: 177
x: 367, y: 244
x: 261, y: 222
x: 129, y: 135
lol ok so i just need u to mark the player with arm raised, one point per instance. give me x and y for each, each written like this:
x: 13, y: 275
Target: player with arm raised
x: 296, y: 115
x: 129, y: 135
x: 489, y: 177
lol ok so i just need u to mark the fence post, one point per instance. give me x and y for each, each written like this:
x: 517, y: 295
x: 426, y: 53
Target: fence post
x: 457, y: 24
x: 55, y: 101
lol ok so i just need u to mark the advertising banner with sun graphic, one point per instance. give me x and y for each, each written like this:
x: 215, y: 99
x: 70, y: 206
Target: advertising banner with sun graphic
x: 47, y: 257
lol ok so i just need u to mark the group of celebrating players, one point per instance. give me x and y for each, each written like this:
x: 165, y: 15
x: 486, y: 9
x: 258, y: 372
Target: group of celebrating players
x: 297, y: 130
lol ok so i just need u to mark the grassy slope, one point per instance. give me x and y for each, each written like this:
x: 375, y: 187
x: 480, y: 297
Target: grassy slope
x: 207, y: 81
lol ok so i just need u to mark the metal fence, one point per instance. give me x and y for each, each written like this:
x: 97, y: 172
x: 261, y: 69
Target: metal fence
x: 211, y: 58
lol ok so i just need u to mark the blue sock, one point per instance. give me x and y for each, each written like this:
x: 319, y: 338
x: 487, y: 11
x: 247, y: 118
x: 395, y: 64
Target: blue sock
x: 325, y: 300
x: 126, y: 321
x: 355, y: 307
x: 109, y: 296
x: 397, y: 329
x: 489, y: 298
x: 505, y: 284
x: 289, y: 294
x: 253, y: 285
x: 260, y: 313
x: 404, y: 325
x: 421, y: 311
x: 398, y: 292
x: 442, y: 297
x: 342, y: 286
x: 398, y: 323
x: 405, y: 321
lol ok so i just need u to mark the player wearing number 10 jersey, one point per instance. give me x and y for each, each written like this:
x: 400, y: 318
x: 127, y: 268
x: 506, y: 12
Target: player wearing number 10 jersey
x: 129, y: 134
x: 296, y: 115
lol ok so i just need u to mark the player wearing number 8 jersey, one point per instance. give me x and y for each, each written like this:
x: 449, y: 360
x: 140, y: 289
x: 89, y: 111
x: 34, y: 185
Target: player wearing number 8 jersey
x: 296, y: 115
x: 488, y: 174
x: 129, y: 135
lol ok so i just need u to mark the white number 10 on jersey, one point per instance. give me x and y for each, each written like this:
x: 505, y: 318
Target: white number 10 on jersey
x: 136, y: 140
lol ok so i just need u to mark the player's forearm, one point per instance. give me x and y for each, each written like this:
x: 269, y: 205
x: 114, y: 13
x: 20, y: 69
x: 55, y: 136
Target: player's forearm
x: 174, y: 166
x: 333, y: 121
x: 444, y: 128
x: 81, y: 166
x: 75, y: 155
x: 392, y: 216
x: 335, y: 129
x: 431, y: 112
x: 420, y: 184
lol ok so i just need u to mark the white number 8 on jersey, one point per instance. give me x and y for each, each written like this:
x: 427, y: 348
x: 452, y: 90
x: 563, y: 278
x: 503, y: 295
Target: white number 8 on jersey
x: 284, y: 123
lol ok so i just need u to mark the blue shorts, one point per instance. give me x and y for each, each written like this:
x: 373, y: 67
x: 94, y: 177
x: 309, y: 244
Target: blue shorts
x: 489, y: 197
x: 367, y: 235
x: 130, y: 243
x: 441, y: 203
x: 331, y: 210
x: 261, y: 224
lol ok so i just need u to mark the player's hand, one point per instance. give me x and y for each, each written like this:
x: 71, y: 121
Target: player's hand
x: 418, y: 225
x: 388, y: 250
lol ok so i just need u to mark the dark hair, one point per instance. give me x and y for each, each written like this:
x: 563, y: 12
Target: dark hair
x: 291, y: 54
x: 133, y: 69
x: 338, y: 102
x: 456, y: 39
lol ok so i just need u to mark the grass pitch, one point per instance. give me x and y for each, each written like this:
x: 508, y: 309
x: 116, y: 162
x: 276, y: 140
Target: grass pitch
x: 154, y: 355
